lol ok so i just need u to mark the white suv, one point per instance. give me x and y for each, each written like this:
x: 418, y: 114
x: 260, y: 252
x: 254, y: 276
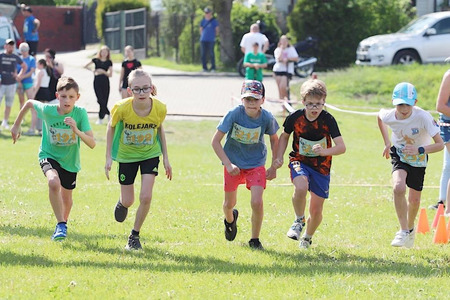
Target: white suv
x: 424, y: 40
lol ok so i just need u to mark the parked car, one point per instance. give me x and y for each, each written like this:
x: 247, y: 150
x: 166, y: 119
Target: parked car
x: 424, y: 40
x: 8, y: 10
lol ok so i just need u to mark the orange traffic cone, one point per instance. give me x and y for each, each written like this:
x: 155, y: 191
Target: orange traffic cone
x: 422, y: 225
x: 439, y: 212
x: 448, y: 229
x: 441, y: 235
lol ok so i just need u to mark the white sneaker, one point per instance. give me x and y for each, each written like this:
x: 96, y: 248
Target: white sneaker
x: 401, y: 239
x: 99, y: 122
x: 410, y: 242
x: 296, y: 228
x: 304, y: 243
x: 5, y: 124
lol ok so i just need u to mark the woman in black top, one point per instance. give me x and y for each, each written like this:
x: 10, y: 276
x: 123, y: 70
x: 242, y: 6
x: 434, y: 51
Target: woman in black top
x: 102, y: 70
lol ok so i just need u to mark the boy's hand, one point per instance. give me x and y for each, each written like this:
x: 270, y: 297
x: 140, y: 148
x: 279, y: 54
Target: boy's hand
x: 15, y: 133
x: 233, y: 170
x: 71, y: 122
x: 317, y: 148
x: 386, y: 151
x: 411, y: 150
x: 277, y: 163
x: 271, y: 173
x: 108, y: 165
x: 168, y: 168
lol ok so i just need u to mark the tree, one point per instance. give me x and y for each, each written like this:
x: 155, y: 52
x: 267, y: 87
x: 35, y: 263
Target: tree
x: 223, y: 10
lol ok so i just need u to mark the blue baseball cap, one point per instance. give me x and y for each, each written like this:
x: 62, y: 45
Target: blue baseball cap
x: 404, y: 93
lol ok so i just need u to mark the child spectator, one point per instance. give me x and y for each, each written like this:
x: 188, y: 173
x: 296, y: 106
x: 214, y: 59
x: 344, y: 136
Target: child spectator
x: 255, y: 62
x: 244, y: 156
x: 59, y: 154
x: 313, y: 130
x: 135, y: 138
x: 411, y: 128
x: 129, y: 64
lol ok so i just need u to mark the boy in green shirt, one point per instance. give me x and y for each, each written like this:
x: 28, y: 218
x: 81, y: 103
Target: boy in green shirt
x: 254, y: 62
x: 64, y: 124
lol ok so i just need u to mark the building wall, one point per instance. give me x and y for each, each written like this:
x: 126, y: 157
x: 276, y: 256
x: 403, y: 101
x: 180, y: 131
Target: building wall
x: 61, y: 27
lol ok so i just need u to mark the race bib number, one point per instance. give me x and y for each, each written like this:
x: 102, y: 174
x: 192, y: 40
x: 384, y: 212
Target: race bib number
x: 245, y: 135
x: 62, y: 137
x: 419, y: 160
x: 138, y: 137
x: 305, y: 147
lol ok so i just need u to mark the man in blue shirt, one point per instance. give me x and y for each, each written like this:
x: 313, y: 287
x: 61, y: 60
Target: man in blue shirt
x: 209, y: 28
x: 30, y: 29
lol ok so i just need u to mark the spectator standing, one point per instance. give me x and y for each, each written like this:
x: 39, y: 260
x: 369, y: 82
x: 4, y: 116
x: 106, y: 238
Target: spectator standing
x: 252, y: 37
x: 57, y: 70
x: 254, y: 62
x: 30, y: 29
x: 102, y: 72
x: 25, y: 82
x: 285, y: 57
x: 129, y: 64
x: 8, y: 73
x: 209, y: 29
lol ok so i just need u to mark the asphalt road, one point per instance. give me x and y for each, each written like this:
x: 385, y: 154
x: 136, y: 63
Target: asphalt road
x: 184, y: 93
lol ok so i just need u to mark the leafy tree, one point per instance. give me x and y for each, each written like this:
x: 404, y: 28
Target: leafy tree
x: 341, y: 24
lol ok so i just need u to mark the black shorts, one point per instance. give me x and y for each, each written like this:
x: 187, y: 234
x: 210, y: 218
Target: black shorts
x: 128, y: 171
x: 33, y: 47
x: 415, y: 175
x: 68, y: 179
x: 288, y: 75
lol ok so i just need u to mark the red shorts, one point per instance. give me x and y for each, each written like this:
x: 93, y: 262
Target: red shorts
x: 252, y: 177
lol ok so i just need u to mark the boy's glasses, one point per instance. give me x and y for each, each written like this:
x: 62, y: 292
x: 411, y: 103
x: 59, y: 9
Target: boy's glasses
x: 137, y: 90
x: 314, y: 105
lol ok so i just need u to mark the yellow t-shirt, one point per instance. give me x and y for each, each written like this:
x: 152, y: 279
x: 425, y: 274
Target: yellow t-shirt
x: 136, y: 138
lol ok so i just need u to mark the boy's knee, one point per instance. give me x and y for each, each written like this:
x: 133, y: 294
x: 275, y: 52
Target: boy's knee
x: 145, y: 199
x: 257, y: 204
x: 399, y: 188
x: 54, y: 183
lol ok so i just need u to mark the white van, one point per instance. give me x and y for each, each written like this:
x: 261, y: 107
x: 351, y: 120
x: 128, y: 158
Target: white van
x: 424, y: 40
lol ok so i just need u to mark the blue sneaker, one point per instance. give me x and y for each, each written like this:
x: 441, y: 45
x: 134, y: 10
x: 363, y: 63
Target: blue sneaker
x: 60, y: 232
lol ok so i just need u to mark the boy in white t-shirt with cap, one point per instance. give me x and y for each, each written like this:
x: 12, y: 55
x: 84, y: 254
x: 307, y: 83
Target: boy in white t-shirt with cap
x: 411, y: 128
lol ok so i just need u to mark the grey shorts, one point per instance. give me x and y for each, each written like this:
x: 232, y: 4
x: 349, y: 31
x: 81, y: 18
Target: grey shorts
x: 9, y: 91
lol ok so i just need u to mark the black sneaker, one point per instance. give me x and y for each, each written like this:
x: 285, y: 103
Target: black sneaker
x: 255, y: 244
x: 133, y: 243
x: 436, y: 206
x: 231, y: 228
x: 120, y: 212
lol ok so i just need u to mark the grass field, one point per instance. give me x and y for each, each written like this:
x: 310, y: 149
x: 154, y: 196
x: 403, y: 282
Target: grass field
x: 185, y: 253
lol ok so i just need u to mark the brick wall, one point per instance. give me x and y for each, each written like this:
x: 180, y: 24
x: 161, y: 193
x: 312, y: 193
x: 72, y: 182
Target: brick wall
x: 61, y: 27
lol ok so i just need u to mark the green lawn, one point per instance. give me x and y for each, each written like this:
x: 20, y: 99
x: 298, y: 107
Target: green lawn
x: 185, y: 253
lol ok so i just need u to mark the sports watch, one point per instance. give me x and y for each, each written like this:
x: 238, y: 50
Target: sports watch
x: 421, y: 150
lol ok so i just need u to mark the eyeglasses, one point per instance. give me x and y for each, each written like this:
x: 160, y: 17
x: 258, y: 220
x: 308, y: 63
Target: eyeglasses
x: 314, y: 105
x: 137, y: 90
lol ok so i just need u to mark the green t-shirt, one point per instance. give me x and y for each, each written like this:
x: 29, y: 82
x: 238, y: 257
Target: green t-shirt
x: 136, y: 138
x: 59, y: 142
x: 259, y: 58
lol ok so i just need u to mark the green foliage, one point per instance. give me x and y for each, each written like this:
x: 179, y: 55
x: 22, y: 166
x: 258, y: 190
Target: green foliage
x: 105, y: 6
x: 189, y: 34
x: 241, y: 19
x: 341, y: 24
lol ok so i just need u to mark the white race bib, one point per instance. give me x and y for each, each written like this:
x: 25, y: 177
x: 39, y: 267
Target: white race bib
x: 419, y: 160
x: 245, y: 135
x: 138, y: 137
x: 62, y: 137
x: 305, y: 147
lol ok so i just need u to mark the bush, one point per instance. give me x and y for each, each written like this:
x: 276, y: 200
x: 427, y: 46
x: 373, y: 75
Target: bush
x: 341, y: 24
x: 105, y: 6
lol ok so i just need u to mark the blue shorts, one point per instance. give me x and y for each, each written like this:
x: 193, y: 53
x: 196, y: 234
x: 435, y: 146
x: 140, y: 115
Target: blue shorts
x: 318, y: 183
x: 444, y: 129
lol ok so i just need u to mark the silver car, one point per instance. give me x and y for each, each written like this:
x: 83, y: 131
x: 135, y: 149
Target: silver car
x: 8, y: 10
x: 424, y: 40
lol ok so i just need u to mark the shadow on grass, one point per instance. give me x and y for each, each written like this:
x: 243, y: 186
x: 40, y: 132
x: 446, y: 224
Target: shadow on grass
x: 156, y: 259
